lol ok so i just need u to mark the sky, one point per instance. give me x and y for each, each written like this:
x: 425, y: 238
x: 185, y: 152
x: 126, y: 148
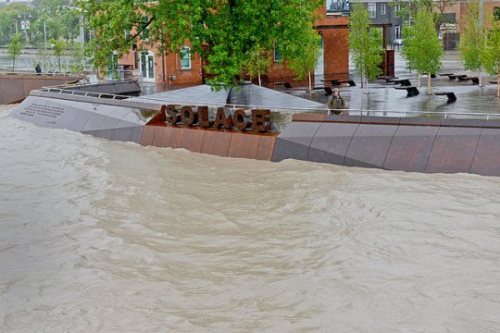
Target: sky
x: 4, y: 1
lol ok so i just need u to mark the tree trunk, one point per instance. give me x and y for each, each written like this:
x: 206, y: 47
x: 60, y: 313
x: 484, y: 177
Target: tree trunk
x: 498, y: 83
x: 13, y: 64
x: 480, y: 77
x: 429, y: 83
x: 310, y: 84
x: 418, y: 80
x: 258, y: 77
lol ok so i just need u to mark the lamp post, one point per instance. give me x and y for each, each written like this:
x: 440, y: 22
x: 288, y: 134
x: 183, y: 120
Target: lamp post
x: 25, y: 25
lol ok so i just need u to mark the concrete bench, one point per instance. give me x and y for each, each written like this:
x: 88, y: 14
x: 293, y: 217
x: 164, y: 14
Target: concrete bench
x: 433, y: 76
x: 451, y: 96
x: 339, y: 82
x: 410, y: 90
x: 402, y: 82
x: 284, y: 84
x: 388, y: 79
x: 453, y: 77
x: 328, y: 90
x: 475, y: 80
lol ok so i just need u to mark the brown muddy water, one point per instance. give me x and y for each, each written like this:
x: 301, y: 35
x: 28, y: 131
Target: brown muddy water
x: 101, y: 236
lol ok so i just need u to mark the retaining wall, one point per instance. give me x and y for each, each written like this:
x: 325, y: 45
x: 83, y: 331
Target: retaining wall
x: 406, y: 144
x: 14, y: 87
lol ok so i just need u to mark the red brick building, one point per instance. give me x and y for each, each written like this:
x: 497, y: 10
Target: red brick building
x: 185, y: 68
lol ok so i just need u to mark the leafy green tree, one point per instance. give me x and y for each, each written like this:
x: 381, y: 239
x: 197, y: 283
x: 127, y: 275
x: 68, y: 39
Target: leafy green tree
x: 422, y: 48
x: 222, y: 32
x: 10, y: 20
x: 78, y: 58
x: 59, y: 48
x: 365, y: 44
x: 473, y: 39
x: 408, y: 9
x: 303, y: 58
x: 409, y: 50
x: 490, y: 56
x: 14, y: 49
x: 257, y: 63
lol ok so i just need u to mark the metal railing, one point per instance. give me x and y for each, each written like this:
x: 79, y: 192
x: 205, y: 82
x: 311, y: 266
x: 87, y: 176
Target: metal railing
x: 33, y: 74
x: 284, y: 109
x: 83, y: 93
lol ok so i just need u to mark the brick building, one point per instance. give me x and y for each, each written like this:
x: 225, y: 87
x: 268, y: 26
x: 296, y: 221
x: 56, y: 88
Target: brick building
x: 185, y: 68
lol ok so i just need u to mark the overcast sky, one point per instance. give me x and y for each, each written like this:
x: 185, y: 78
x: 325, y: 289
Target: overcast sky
x: 3, y: 1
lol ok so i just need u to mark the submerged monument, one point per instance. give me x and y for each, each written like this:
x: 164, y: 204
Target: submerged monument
x: 16, y: 86
x: 260, y: 123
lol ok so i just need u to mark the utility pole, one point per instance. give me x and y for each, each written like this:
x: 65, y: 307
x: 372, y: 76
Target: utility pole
x: 25, y: 26
x: 481, y: 26
x: 481, y: 13
x: 45, y: 34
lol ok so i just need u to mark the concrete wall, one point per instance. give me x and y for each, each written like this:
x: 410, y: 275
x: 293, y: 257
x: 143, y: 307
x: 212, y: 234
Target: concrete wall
x: 114, y: 122
x: 210, y: 141
x: 405, y: 144
x: 14, y: 87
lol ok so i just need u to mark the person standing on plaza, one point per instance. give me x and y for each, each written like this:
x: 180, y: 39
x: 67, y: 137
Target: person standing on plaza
x: 336, y: 103
x: 38, y: 68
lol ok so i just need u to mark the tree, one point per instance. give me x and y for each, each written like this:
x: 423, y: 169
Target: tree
x: 409, y: 9
x: 365, y: 44
x: 304, y: 57
x: 78, y: 58
x: 58, y: 47
x: 472, y: 41
x: 423, y: 49
x: 441, y: 6
x: 257, y: 63
x: 222, y: 32
x: 490, y: 56
x: 14, y: 49
x: 9, y: 20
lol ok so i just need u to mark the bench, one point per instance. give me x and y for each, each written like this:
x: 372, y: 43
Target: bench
x: 410, y: 90
x: 339, y: 82
x: 387, y: 79
x: 453, y: 77
x: 285, y: 84
x: 328, y: 90
x: 433, y: 76
x: 402, y: 82
x: 475, y: 80
x: 450, y: 76
x: 451, y: 96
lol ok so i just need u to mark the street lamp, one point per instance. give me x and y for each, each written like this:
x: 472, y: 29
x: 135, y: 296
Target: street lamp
x: 25, y: 24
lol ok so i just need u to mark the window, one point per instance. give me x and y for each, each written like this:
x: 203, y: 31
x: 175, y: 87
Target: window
x: 383, y: 9
x: 496, y: 13
x: 144, y: 28
x: 337, y: 6
x: 185, y: 58
x: 372, y: 10
x: 278, y: 56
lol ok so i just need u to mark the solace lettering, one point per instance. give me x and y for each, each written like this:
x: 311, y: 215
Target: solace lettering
x: 260, y: 119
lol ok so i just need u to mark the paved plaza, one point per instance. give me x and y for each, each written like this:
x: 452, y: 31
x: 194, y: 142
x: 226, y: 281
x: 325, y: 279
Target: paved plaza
x: 382, y: 96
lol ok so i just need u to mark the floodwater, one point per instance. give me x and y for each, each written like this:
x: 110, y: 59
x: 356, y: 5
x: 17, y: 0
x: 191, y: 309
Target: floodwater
x: 101, y: 236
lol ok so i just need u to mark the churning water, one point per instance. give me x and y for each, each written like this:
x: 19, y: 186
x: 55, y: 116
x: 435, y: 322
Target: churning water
x: 101, y: 236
